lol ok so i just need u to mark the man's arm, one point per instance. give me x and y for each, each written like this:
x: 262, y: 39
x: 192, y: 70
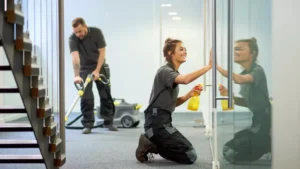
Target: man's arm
x: 100, y: 59
x: 101, y: 44
x: 76, y: 62
x: 182, y: 99
x: 75, y: 56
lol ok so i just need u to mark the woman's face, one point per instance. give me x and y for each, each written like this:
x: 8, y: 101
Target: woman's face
x: 179, y: 54
x: 242, y: 52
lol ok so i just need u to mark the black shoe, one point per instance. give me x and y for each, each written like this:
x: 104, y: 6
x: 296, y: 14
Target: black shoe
x: 145, y: 146
x: 112, y: 128
x: 86, y: 131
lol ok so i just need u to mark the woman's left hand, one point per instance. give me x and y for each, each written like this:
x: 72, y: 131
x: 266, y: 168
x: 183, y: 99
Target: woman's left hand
x: 196, y: 91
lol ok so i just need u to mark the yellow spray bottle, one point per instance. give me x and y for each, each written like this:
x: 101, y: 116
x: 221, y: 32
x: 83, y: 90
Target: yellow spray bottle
x: 194, y: 101
x: 225, y: 104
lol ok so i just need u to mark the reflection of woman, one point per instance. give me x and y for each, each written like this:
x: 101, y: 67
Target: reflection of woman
x: 252, y: 143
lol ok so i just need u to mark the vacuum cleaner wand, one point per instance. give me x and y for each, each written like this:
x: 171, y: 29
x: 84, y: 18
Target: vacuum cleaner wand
x: 81, y: 90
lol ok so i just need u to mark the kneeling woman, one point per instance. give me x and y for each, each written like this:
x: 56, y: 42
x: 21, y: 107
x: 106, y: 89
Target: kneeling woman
x: 160, y: 136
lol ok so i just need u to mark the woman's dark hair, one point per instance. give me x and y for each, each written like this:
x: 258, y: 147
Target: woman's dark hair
x: 170, y: 46
x: 252, y: 42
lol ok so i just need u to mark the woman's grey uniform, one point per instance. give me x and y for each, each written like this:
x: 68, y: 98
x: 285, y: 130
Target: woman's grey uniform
x: 170, y: 143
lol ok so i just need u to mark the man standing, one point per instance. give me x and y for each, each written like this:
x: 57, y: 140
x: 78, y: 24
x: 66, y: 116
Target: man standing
x: 87, y: 46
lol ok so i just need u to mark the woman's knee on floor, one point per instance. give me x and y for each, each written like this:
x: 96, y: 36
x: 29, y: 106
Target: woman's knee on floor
x: 229, y: 154
x: 191, y: 157
x: 182, y: 157
x: 181, y: 149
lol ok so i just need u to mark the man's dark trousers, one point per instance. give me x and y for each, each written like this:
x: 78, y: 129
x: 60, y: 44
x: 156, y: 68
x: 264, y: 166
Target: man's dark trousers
x: 87, y: 100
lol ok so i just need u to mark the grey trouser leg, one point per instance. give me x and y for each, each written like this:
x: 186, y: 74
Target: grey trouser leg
x: 174, y: 147
x: 247, y: 146
x: 170, y: 143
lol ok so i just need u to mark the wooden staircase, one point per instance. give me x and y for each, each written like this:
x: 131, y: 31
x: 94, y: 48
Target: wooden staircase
x: 32, y: 91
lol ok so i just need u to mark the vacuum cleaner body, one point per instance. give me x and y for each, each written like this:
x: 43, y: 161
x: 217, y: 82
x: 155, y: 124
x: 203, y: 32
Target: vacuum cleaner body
x: 126, y: 115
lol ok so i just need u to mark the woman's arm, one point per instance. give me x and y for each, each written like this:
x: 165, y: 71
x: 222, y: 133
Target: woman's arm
x: 188, y: 78
x: 239, y: 101
x: 182, y: 99
x: 237, y: 78
x: 196, y: 91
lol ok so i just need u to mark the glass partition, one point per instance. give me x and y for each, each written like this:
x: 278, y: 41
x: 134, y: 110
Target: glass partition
x: 243, y: 135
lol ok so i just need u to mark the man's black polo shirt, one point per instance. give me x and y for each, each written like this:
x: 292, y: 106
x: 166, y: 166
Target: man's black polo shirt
x: 88, y: 48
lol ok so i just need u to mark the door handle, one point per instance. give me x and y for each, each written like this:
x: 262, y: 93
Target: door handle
x: 230, y: 55
x: 204, y: 42
x: 230, y: 52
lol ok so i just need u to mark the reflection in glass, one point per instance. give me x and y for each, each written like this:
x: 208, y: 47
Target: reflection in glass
x: 253, y: 142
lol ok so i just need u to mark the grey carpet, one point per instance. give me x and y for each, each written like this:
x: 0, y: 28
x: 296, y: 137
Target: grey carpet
x: 115, y: 150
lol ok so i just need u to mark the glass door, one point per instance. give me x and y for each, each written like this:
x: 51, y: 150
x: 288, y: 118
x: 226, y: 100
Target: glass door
x: 241, y: 82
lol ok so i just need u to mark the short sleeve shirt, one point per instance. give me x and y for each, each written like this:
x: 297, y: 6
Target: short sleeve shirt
x: 88, y: 47
x: 165, y: 81
x: 256, y: 93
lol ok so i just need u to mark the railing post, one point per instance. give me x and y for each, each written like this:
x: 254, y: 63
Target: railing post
x: 61, y: 73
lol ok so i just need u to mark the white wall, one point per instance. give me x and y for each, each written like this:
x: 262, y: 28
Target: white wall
x: 130, y: 45
x: 190, y: 31
x: 132, y: 36
x: 286, y: 82
x: 133, y: 44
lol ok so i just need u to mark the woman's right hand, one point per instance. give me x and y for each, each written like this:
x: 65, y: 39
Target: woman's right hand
x: 77, y: 79
x: 196, y: 91
x: 223, y: 90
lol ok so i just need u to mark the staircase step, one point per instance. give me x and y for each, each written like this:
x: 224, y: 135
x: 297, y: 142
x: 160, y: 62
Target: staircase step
x: 55, y: 147
x: 61, y: 160
x: 9, y: 89
x: 32, y: 70
x: 38, y: 92
x: 14, y: 14
x: 18, y: 144
x: 13, y: 127
x: 44, y: 112
x: 21, y: 159
x: 7, y: 109
x: 50, y: 130
x: 5, y: 68
x: 24, y: 44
